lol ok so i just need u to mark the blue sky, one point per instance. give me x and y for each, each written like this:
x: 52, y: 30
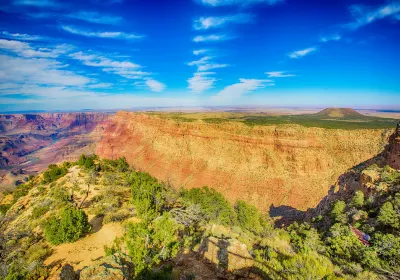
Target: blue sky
x: 110, y: 54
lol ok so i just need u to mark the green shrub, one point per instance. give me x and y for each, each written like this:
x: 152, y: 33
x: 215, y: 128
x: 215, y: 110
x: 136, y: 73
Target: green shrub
x: 146, y: 195
x: 338, y: 213
x: 72, y: 225
x: 53, y: 173
x: 116, y: 217
x: 357, y: 200
x: 149, y: 244
x: 213, y: 204
x: 37, y: 252
x: 388, y: 215
x: 388, y: 249
x: 39, y: 211
x: 87, y: 162
x: 248, y: 217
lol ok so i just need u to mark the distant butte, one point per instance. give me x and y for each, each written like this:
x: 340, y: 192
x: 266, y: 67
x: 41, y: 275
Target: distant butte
x: 339, y: 113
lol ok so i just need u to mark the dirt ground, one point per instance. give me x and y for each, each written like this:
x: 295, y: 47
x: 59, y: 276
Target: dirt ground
x: 88, y: 249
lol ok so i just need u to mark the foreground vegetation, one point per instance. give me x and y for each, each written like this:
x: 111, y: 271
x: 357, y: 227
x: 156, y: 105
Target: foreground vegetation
x: 170, y: 223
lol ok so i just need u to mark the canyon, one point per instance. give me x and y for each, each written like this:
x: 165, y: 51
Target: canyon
x: 268, y: 166
x: 30, y: 142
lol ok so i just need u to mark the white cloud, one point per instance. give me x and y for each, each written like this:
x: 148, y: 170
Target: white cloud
x: 101, y: 34
x: 37, y: 71
x: 201, y: 51
x: 364, y: 15
x: 38, y: 3
x: 155, y: 85
x: 279, y: 74
x: 95, y: 17
x: 210, y: 38
x: 21, y: 36
x: 301, y: 53
x: 202, y: 60
x: 125, y: 69
x: 204, y: 23
x: 201, y: 81
x: 335, y: 37
x: 210, y: 66
x: 216, y: 3
x: 244, y: 86
x: 25, y: 49
x: 101, y: 61
x: 204, y: 64
x: 100, y: 85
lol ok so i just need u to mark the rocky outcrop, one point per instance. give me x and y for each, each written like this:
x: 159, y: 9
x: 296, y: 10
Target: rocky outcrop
x: 264, y: 165
x: 228, y: 253
x: 109, y: 268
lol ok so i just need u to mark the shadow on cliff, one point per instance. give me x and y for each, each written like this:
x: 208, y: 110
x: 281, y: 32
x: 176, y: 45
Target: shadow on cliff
x: 345, y: 186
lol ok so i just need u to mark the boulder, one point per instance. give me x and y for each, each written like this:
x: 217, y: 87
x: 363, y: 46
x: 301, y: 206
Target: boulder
x: 67, y: 273
x: 229, y: 254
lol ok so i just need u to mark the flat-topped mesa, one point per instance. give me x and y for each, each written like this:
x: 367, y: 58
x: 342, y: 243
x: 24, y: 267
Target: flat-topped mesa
x: 339, y: 113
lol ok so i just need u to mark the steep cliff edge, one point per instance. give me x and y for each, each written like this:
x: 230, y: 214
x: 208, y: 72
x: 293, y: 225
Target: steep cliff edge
x: 280, y: 165
x: 393, y: 151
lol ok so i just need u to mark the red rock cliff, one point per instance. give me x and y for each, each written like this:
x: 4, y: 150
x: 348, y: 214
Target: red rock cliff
x: 280, y: 165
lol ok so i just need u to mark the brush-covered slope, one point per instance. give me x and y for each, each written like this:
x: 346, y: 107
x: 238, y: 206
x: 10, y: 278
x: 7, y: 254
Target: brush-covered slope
x: 276, y: 164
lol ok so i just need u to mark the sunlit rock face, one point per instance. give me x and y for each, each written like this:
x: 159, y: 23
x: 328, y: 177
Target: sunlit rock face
x: 264, y: 165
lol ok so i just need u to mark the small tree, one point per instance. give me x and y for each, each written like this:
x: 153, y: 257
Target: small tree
x: 388, y: 216
x: 149, y: 244
x: 358, y: 200
x: 337, y: 212
x: 248, y: 217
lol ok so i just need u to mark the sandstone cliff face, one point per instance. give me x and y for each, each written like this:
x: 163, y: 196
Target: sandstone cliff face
x: 264, y: 165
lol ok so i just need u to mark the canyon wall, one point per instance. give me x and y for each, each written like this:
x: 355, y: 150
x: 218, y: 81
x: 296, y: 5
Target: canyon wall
x: 264, y: 165
x: 58, y: 134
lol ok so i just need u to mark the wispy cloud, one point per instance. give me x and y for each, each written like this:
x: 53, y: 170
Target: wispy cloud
x: 125, y: 69
x: 205, y: 64
x: 37, y: 71
x: 21, y: 36
x: 25, y: 49
x: 198, y: 52
x: 216, y: 3
x: 38, y: 3
x: 204, y: 23
x: 101, y: 34
x: 279, y: 74
x: 155, y: 85
x: 95, y: 17
x: 335, y: 37
x: 301, y: 53
x: 211, y: 38
x: 201, y: 81
x: 244, y: 86
x: 364, y: 15
x: 100, y: 85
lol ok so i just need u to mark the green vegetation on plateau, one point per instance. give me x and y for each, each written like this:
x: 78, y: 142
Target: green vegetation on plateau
x: 171, y: 222
x: 349, y: 120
